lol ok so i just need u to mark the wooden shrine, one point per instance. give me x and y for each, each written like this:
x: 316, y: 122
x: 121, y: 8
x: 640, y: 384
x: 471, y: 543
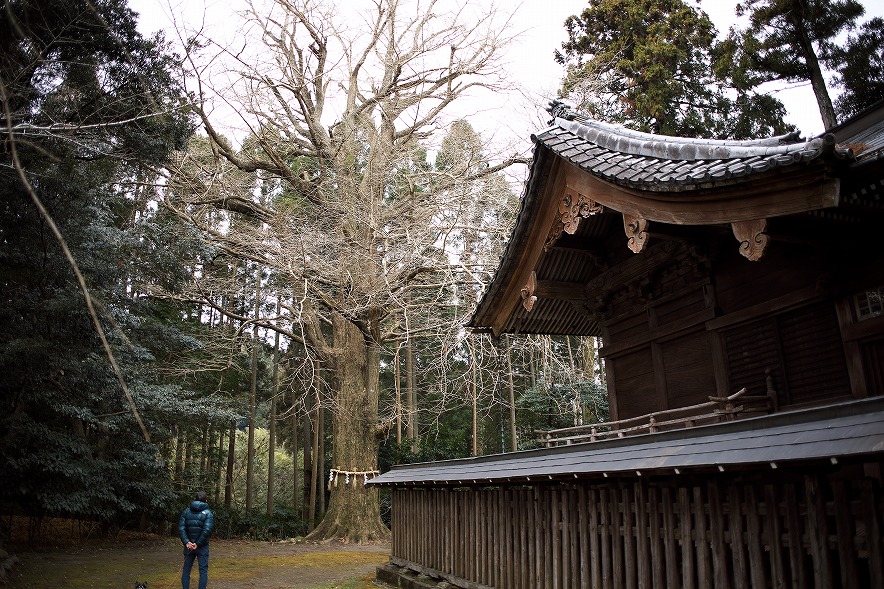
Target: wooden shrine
x: 738, y: 288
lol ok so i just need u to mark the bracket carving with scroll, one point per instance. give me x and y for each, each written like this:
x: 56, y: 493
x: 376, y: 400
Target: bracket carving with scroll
x: 636, y: 231
x: 572, y: 208
x: 527, y: 292
x: 752, y: 237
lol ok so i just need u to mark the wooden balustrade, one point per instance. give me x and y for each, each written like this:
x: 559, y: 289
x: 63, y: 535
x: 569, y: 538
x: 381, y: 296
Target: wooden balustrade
x: 713, y: 411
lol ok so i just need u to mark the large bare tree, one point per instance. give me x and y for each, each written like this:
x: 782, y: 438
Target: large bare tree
x: 342, y: 107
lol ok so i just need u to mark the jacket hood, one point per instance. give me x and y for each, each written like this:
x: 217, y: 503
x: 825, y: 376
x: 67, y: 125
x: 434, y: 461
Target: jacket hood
x: 197, y: 506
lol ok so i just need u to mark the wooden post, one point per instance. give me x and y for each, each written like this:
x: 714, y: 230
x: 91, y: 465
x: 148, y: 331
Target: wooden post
x: 754, y: 539
x: 793, y: 529
x: 870, y: 501
x: 720, y: 575
x: 775, y: 536
x: 818, y: 532
x: 630, y: 563
x: 845, y: 532
x: 642, y: 536
x: 594, y: 534
x: 670, y: 546
x: 585, y: 540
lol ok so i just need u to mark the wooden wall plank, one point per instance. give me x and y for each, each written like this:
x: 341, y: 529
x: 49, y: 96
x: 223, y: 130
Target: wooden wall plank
x: 685, y: 529
x: 720, y: 574
x: 616, y: 538
x: 605, y: 523
x: 794, y: 532
x: 595, y: 568
x: 642, y: 536
x: 627, y: 513
x: 845, y: 531
x: 670, y: 538
x: 818, y: 532
x: 584, y: 535
x: 737, y: 539
x: 871, y: 511
x: 701, y: 542
x: 775, y: 535
x: 754, y: 540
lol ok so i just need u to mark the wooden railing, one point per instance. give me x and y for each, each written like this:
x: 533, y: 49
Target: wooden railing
x: 715, y: 410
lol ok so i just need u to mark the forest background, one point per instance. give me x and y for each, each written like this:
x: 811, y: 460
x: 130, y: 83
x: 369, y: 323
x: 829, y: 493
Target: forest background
x: 273, y: 311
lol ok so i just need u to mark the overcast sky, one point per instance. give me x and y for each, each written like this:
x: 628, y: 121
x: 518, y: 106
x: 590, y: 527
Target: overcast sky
x: 504, y: 118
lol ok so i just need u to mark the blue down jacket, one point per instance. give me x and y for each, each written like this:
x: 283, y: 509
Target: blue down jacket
x: 196, y: 523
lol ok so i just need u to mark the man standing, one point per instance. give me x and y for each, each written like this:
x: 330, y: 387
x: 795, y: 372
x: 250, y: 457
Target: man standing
x: 194, y: 527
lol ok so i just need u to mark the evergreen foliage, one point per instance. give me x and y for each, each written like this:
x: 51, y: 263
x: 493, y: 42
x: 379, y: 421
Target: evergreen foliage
x: 651, y: 66
x: 794, y: 40
x: 91, y: 107
x: 860, y: 64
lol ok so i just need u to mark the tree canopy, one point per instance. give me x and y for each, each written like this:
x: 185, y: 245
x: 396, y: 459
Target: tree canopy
x: 797, y: 41
x: 650, y: 65
x: 90, y: 108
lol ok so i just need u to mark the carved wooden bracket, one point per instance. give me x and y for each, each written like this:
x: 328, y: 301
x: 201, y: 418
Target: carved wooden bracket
x: 636, y: 232
x: 528, y: 297
x: 752, y: 237
x: 572, y: 208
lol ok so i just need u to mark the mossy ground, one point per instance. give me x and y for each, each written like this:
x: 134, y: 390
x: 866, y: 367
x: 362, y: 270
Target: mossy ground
x: 232, y: 565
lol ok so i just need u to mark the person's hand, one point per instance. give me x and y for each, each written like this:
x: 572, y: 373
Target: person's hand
x: 191, y: 546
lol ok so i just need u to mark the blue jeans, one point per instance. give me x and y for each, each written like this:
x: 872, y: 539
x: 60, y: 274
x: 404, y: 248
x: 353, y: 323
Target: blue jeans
x: 201, y: 554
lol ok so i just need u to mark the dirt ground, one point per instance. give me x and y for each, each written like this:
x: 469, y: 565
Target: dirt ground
x: 232, y: 565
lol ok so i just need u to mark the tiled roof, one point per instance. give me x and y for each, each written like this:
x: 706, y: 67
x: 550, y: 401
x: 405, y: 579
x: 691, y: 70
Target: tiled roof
x: 662, y: 163
x: 821, y: 434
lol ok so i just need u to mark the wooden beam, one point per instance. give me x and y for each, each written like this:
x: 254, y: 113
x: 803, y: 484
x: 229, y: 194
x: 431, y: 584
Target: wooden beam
x: 774, y: 194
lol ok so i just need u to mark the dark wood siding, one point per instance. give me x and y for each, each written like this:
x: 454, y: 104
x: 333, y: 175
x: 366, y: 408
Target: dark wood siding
x: 688, y: 369
x: 751, y: 350
x: 635, y: 383
x: 813, y: 355
x: 801, y: 348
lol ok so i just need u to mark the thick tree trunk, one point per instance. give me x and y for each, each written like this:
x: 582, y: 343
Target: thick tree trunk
x: 354, y: 509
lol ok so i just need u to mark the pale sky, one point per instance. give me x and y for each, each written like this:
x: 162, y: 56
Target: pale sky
x: 500, y: 117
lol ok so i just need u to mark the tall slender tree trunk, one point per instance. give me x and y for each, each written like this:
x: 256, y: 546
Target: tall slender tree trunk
x: 204, y: 455
x: 475, y: 394
x: 411, y: 395
x: 511, y: 389
x: 271, y: 452
x: 817, y: 81
x: 253, y: 396
x: 397, y: 379
x: 187, y: 475
x: 314, y: 465
x: 231, y: 456
x: 307, y: 433
x: 179, y: 455
x: 320, y: 462
x: 218, y: 466
x: 295, y: 466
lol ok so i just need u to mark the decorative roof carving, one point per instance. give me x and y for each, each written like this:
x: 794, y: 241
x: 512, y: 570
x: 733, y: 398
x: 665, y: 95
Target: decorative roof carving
x: 572, y: 208
x: 527, y: 292
x: 752, y: 237
x: 636, y: 232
